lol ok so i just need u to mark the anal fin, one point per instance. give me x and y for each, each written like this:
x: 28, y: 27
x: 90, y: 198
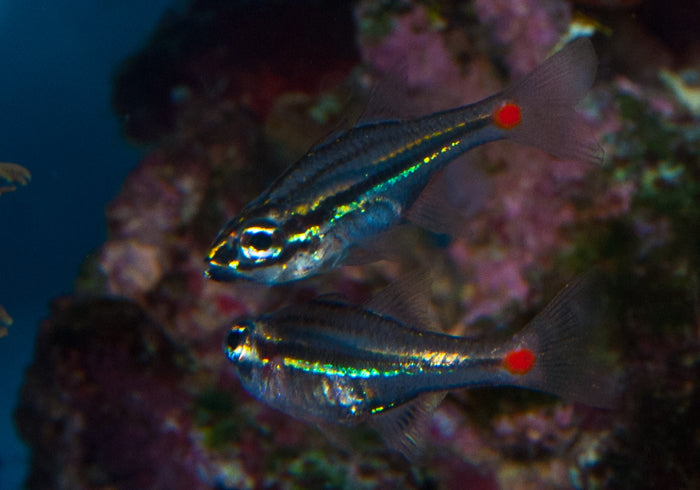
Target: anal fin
x: 403, y: 428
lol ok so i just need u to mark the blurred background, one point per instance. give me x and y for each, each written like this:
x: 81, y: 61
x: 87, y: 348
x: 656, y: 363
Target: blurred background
x: 58, y: 60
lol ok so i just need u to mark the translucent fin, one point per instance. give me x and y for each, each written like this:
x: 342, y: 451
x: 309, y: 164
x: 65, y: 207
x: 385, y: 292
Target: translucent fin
x: 389, y: 97
x: 453, y: 195
x: 393, y: 245
x: 403, y: 428
x: 337, y: 435
x: 333, y: 297
x: 406, y: 299
x: 546, y: 98
x: 566, y: 340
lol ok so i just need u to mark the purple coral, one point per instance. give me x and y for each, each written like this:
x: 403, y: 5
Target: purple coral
x: 527, y: 28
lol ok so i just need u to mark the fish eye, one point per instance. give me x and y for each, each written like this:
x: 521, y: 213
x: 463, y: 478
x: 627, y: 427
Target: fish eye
x: 233, y: 339
x: 236, y: 339
x: 261, y: 240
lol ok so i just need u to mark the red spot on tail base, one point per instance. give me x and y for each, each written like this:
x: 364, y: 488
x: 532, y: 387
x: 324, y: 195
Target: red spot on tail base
x: 519, y: 361
x: 507, y: 116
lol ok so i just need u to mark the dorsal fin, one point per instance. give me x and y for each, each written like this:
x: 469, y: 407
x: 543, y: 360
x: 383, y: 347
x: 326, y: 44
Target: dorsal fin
x: 384, y: 100
x: 406, y: 299
x: 389, y: 96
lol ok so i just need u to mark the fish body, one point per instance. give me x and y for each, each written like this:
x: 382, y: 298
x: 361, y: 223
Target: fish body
x: 357, y: 185
x: 328, y: 362
x: 13, y: 174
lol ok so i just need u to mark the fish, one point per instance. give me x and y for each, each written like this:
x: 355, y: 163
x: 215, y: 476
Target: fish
x: 5, y: 318
x: 13, y: 174
x: 333, y: 364
x: 5, y: 321
x: 352, y: 188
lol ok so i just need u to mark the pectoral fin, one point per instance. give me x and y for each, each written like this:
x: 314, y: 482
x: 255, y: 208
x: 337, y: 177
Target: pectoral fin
x: 453, y: 196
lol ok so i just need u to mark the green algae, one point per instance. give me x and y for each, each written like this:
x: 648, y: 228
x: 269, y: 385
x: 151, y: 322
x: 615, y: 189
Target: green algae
x: 216, y: 417
x: 378, y: 18
x: 653, y: 249
x: 315, y: 470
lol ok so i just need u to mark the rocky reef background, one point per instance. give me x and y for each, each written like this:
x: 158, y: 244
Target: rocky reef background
x: 129, y: 388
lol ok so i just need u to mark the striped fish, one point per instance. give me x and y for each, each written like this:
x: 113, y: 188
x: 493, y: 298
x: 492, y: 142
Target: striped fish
x: 333, y: 364
x: 346, y: 191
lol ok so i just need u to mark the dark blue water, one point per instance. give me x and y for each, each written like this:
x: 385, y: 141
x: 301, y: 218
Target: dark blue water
x: 57, y: 59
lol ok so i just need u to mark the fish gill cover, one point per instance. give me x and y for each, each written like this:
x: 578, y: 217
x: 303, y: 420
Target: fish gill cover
x: 134, y: 392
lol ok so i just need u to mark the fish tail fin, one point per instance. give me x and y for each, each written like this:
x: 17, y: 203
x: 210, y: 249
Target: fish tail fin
x: 539, y: 110
x: 560, y: 351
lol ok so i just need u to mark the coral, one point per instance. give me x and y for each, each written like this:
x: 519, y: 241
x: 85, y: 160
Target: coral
x: 99, y: 364
x: 528, y: 28
x: 217, y: 50
x: 685, y: 88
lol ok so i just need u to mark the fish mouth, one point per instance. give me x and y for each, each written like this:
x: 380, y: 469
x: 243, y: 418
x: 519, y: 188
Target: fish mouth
x: 221, y: 262
x: 221, y: 273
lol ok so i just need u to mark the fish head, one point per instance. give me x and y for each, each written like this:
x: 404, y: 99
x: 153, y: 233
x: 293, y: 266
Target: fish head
x: 239, y: 347
x: 248, y: 249
x: 272, y: 249
x: 250, y: 345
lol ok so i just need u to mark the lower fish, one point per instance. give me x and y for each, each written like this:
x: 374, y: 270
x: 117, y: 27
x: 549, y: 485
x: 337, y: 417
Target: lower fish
x: 358, y: 184
x: 333, y: 364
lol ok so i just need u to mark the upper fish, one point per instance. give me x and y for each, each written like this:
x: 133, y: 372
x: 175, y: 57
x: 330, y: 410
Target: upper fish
x: 347, y: 190
x: 333, y: 364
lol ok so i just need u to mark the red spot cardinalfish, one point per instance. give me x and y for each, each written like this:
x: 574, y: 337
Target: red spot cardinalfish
x: 356, y: 185
x: 330, y: 363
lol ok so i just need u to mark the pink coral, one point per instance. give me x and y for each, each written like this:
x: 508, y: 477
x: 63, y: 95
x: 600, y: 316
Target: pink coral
x: 157, y: 197
x: 527, y: 28
x: 132, y: 268
x: 417, y: 49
